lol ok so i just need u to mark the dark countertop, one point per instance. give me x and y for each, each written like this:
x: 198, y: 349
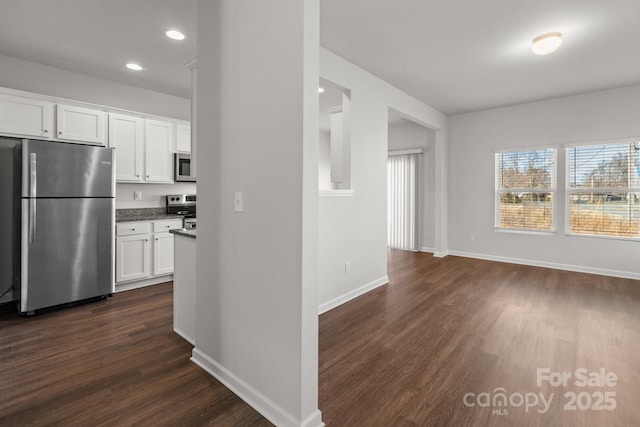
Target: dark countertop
x: 191, y: 233
x: 144, y: 214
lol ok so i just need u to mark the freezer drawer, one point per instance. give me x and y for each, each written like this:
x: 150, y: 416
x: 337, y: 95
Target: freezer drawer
x: 67, y: 251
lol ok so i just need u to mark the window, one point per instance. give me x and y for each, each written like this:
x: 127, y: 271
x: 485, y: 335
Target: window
x: 603, y: 187
x: 525, y: 189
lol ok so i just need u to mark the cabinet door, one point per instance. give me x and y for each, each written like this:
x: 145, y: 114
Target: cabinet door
x: 80, y: 124
x: 132, y: 257
x: 126, y: 135
x: 183, y: 138
x: 159, y: 141
x: 26, y: 117
x: 162, y: 254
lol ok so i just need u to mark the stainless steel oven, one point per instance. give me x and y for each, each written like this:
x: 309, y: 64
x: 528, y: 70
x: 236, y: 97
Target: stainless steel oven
x: 183, y: 204
x: 183, y: 168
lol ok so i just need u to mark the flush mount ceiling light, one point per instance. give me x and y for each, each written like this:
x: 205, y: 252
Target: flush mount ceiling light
x: 320, y: 89
x: 546, y: 43
x: 176, y: 35
x: 134, y: 67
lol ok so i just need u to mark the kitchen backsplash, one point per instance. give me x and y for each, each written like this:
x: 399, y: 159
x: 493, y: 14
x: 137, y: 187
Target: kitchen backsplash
x: 153, y: 195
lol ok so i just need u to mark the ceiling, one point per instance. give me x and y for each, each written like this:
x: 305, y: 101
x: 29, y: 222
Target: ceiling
x: 456, y: 56
x: 98, y: 37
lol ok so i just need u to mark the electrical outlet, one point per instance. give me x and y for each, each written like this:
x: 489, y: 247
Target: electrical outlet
x: 137, y: 195
x: 347, y: 267
x: 237, y: 204
x: 472, y: 237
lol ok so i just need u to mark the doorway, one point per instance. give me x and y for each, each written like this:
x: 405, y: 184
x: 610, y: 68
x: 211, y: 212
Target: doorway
x: 410, y: 184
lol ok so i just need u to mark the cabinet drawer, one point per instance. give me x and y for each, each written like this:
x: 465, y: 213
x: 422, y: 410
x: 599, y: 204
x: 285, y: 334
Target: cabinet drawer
x: 159, y: 226
x: 130, y: 228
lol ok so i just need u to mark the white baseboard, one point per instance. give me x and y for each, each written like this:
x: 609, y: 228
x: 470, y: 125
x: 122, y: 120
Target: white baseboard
x: 128, y: 286
x: 253, y: 397
x: 441, y: 254
x: 428, y: 250
x: 567, y: 267
x: 323, y: 308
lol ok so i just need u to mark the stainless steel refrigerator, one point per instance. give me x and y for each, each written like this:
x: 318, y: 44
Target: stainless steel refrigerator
x: 65, y: 211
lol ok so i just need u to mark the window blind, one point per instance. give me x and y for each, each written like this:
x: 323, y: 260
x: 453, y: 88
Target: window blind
x: 603, y: 189
x: 402, y: 201
x: 525, y: 189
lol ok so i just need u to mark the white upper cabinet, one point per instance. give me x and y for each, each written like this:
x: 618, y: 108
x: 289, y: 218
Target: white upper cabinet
x: 126, y: 135
x: 26, y: 117
x: 183, y: 138
x: 159, y: 143
x: 79, y: 124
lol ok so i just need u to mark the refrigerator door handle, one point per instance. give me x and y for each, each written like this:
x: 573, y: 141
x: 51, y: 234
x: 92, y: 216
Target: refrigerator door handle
x: 33, y: 178
x: 32, y: 220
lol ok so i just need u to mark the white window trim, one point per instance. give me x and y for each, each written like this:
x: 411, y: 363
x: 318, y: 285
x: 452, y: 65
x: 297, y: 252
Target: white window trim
x: 336, y: 193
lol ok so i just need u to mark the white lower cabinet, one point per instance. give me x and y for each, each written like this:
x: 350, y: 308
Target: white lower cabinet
x: 162, y: 253
x: 132, y: 257
x: 138, y: 259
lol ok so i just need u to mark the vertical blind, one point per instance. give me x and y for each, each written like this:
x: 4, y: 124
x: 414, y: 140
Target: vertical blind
x: 402, y: 201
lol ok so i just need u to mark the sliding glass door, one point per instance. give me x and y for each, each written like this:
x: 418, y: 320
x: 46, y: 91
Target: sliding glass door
x: 402, y: 204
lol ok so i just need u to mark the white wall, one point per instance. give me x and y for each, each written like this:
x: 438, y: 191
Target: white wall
x: 152, y: 194
x: 473, y: 139
x: 354, y: 229
x: 33, y: 77
x: 406, y: 135
x: 324, y: 166
x: 257, y: 99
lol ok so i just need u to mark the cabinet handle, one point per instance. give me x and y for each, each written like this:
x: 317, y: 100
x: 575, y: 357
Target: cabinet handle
x: 146, y: 240
x: 46, y: 131
x: 148, y: 176
x: 138, y: 176
x: 168, y: 226
x: 132, y: 229
x: 59, y: 132
x: 156, y: 238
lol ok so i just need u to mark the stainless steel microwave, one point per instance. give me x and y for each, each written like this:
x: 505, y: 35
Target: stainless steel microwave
x: 183, y: 170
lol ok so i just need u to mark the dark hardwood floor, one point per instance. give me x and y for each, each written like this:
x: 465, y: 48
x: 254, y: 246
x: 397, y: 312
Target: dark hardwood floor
x: 111, y: 363
x: 405, y: 354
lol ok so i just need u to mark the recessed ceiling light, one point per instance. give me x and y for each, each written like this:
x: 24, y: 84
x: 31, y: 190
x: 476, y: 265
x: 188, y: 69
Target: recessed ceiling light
x: 176, y: 35
x: 320, y: 89
x: 546, y: 43
x: 134, y: 67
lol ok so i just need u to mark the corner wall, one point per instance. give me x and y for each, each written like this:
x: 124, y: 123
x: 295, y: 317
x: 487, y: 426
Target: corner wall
x: 256, y: 309
x: 474, y: 137
x: 354, y: 229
